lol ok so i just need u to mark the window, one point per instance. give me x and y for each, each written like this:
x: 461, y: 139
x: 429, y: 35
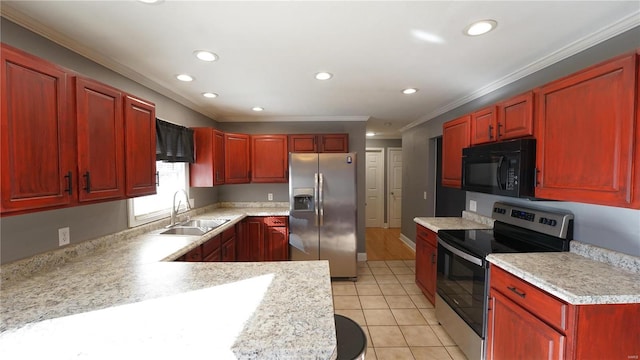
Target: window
x: 145, y: 209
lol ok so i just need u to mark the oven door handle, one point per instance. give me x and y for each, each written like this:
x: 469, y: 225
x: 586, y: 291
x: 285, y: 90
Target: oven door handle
x: 462, y: 254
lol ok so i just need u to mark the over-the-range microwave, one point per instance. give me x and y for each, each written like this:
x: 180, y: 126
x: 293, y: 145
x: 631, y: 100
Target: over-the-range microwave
x: 506, y: 168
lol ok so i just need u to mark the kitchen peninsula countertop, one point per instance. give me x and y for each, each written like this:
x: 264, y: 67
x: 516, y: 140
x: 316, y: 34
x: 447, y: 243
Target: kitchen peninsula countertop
x: 121, y: 300
x: 573, y: 278
x: 468, y: 221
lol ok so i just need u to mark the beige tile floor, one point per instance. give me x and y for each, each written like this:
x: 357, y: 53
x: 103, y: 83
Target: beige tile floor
x: 398, y: 320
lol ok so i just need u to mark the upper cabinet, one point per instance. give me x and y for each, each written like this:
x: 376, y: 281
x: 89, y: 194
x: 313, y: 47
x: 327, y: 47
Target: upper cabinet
x: 484, y: 126
x: 208, y: 168
x: 508, y: 119
x: 587, y: 134
x: 338, y: 143
x: 38, y: 160
x: 515, y: 117
x: 100, y: 141
x: 456, y: 135
x: 237, y: 158
x: 269, y: 159
x: 140, y: 146
x: 64, y: 138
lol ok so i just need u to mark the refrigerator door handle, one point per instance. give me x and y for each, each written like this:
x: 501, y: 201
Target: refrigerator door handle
x: 315, y: 195
x: 320, y: 196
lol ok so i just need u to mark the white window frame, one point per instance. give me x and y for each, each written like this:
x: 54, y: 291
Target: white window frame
x: 162, y: 212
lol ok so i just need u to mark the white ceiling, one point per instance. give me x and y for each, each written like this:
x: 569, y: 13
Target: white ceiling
x: 270, y: 50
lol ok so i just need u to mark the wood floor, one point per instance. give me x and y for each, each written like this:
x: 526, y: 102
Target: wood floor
x: 385, y: 244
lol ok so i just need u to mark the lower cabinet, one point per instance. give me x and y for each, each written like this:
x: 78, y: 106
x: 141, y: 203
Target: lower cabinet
x: 264, y: 239
x: 256, y: 238
x: 276, y: 239
x: 426, y: 266
x: 525, y: 322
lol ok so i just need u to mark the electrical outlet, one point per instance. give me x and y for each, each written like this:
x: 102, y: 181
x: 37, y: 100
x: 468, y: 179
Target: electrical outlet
x: 64, y: 237
x: 270, y: 196
x: 424, y: 195
x: 473, y: 206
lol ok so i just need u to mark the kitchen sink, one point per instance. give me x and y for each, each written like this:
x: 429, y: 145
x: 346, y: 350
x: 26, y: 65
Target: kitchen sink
x: 194, y: 227
x: 204, y: 223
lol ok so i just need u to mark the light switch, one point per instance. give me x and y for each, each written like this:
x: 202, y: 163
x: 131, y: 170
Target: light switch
x: 473, y: 206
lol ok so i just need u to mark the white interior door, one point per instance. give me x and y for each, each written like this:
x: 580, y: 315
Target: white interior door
x: 394, y: 180
x: 375, y: 187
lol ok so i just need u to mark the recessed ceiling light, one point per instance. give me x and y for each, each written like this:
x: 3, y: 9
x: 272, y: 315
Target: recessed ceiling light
x: 184, y: 77
x: 371, y: 134
x: 205, y: 55
x: 480, y: 27
x: 150, y: 1
x: 257, y: 108
x: 409, y: 91
x: 324, y: 76
x: 209, y: 95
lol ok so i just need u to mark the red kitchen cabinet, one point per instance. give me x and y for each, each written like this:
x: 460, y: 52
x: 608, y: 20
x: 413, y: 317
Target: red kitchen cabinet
x: 251, y: 244
x: 276, y: 246
x: 456, y: 135
x: 38, y: 158
x: 237, y: 159
x: 229, y: 245
x: 269, y: 159
x: 194, y: 255
x: 525, y: 322
x: 208, y: 168
x: 140, y: 146
x: 587, y: 134
x: 515, y: 117
x: 100, y: 141
x: 484, y: 126
x: 426, y: 261
x: 211, y: 250
x: 319, y: 143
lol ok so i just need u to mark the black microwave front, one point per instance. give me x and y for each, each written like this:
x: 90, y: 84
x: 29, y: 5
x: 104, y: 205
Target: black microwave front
x: 506, y: 168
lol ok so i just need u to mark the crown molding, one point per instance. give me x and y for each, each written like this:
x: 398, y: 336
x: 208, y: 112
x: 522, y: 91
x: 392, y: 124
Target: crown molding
x: 627, y: 23
x: 292, y: 118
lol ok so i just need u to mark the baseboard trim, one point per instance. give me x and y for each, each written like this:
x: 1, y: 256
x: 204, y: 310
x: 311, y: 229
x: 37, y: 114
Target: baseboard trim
x: 408, y: 241
x: 385, y: 225
x: 362, y: 256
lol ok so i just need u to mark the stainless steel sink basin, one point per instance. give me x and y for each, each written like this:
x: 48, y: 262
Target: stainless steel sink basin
x: 204, y: 223
x: 194, y: 227
x: 185, y: 231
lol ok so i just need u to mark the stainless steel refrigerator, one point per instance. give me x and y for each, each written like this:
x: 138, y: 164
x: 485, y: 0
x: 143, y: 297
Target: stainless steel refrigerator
x: 322, y: 210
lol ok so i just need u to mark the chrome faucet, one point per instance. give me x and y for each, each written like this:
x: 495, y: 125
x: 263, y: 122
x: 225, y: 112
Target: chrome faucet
x: 175, y: 209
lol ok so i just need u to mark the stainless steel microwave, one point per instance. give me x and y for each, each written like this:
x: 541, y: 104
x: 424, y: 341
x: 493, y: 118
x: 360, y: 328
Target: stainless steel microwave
x: 506, y: 168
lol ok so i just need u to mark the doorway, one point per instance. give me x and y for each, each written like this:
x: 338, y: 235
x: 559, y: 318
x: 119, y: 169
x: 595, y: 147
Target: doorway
x: 374, y: 182
x: 394, y: 182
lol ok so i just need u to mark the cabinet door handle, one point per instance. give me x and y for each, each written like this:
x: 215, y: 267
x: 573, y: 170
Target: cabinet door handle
x: 69, y: 189
x: 516, y: 291
x: 535, y: 177
x: 499, y: 126
x: 490, y: 131
x: 433, y: 258
x: 87, y: 177
x: 157, y: 178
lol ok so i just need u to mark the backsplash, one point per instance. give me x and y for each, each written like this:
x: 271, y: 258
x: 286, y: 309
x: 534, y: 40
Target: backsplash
x: 614, y: 258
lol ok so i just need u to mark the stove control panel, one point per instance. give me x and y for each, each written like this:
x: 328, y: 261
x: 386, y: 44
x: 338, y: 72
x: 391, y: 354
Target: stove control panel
x: 547, y: 221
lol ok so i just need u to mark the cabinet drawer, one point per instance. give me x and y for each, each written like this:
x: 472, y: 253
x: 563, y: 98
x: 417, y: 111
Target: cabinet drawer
x: 537, y: 301
x: 228, y: 234
x: 194, y: 255
x: 426, y: 234
x: 275, y: 221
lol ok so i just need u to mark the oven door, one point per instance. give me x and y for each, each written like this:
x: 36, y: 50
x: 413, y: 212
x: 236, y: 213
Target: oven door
x: 461, y: 283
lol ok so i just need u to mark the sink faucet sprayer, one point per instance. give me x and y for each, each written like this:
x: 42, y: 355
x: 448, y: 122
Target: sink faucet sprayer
x: 175, y: 209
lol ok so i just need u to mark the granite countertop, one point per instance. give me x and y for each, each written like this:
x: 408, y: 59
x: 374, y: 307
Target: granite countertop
x: 573, y: 278
x: 122, y: 301
x: 468, y: 221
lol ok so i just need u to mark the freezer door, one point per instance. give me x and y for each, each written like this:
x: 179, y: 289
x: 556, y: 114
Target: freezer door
x: 303, y: 207
x: 337, y: 212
